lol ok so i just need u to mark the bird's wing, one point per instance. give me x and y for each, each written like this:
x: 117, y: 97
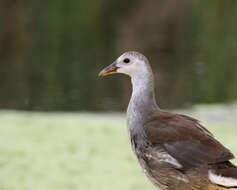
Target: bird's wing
x: 185, y: 139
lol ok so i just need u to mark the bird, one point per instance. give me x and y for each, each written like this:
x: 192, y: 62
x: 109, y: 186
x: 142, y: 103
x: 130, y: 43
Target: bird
x: 175, y: 151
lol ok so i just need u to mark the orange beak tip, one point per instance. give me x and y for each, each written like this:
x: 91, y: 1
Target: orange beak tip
x: 101, y: 73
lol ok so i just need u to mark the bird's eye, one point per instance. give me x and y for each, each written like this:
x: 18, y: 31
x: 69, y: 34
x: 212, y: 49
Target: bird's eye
x: 126, y: 60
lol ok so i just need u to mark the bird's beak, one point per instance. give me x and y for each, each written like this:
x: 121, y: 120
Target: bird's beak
x: 109, y: 70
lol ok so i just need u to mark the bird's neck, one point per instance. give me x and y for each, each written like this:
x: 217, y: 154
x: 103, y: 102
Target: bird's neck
x: 142, y: 102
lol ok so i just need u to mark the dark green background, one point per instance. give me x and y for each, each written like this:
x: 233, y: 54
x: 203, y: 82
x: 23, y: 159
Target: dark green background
x: 51, y: 51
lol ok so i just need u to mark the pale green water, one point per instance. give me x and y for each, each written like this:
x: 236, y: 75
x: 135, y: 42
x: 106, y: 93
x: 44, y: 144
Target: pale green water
x: 57, y: 151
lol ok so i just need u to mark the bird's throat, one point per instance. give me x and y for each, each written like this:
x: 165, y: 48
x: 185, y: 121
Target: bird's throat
x: 142, y: 102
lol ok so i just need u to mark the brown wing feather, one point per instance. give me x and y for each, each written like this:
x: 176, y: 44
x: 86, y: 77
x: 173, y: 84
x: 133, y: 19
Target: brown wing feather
x: 185, y: 139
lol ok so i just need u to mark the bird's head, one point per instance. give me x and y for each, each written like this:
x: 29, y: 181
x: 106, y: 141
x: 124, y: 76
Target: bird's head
x: 130, y: 63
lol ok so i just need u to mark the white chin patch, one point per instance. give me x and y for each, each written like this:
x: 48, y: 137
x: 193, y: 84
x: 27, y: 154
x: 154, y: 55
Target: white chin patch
x: 221, y: 180
x: 122, y: 70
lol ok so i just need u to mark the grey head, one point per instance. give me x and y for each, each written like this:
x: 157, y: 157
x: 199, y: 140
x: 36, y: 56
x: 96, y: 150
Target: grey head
x: 130, y: 63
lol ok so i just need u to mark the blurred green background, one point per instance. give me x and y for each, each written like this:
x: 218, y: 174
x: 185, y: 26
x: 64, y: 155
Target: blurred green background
x: 52, y: 51
x: 50, y: 55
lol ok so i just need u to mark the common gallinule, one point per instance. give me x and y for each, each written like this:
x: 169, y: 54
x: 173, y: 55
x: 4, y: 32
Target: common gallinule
x: 175, y: 151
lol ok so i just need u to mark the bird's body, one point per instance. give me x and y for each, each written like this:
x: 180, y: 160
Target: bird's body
x: 175, y: 151
x: 173, y: 162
